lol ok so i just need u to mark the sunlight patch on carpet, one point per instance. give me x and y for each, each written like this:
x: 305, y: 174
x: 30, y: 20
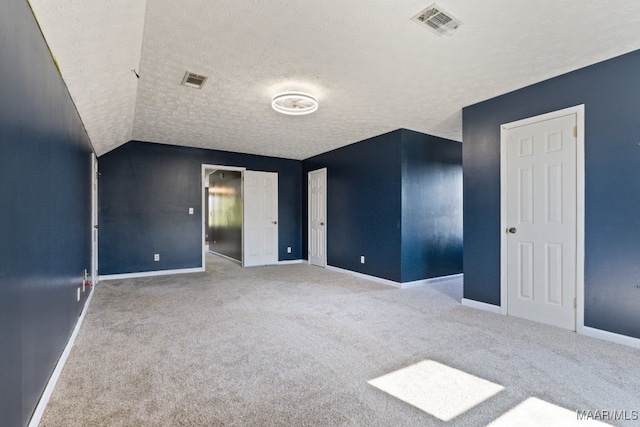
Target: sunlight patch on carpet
x: 534, y: 412
x: 437, y: 389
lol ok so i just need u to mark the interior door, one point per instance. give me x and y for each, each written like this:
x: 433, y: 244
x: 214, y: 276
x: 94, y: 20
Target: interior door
x: 94, y: 219
x: 260, y: 218
x: 318, y: 217
x: 541, y: 221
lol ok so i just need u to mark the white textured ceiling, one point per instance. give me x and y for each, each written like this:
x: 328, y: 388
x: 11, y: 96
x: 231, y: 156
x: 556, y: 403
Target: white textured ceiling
x: 372, y: 69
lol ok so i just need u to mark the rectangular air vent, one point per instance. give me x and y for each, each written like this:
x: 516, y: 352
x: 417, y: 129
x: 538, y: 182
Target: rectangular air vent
x: 437, y: 20
x: 193, y: 80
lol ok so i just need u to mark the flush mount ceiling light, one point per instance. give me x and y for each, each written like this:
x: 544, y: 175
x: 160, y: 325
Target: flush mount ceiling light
x: 294, y: 103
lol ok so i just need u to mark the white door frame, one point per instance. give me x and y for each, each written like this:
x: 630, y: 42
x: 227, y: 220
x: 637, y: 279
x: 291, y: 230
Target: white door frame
x: 94, y: 219
x: 204, y: 175
x: 579, y: 112
x: 309, y: 215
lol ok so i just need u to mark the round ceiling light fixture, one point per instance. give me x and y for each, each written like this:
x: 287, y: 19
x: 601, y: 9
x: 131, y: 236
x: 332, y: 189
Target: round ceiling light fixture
x: 294, y: 103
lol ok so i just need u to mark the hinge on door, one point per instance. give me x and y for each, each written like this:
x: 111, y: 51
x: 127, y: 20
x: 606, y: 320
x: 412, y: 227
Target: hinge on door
x: 575, y: 131
x: 97, y: 175
x: 575, y: 303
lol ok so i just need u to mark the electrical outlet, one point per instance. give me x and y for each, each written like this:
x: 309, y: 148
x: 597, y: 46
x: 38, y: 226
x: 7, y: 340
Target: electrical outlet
x: 190, y: 211
x: 288, y: 249
x: 156, y: 257
x: 361, y: 259
x: 78, y: 293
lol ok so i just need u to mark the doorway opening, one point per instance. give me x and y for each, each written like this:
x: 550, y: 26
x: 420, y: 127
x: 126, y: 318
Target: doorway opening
x: 240, y: 215
x: 222, y: 212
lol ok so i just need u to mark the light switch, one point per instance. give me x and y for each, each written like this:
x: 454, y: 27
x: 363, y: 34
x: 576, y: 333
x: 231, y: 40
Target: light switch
x: 190, y: 211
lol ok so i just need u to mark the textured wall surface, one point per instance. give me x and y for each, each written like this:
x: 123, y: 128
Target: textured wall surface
x: 610, y: 93
x: 45, y: 214
x: 146, y: 191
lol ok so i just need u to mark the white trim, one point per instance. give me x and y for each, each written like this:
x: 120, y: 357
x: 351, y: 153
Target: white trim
x: 150, y: 273
x: 94, y: 220
x: 580, y: 226
x: 55, y: 375
x: 399, y: 285
x: 578, y: 110
x: 610, y: 336
x: 364, y: 276
x: 203, y: 179
x: 481, y: 306
x: 324, y: 171
x: 291, y: 261
x: 431, y: 281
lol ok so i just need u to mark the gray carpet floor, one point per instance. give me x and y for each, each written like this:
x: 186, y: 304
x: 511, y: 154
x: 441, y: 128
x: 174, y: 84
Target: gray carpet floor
x: 296, y: 345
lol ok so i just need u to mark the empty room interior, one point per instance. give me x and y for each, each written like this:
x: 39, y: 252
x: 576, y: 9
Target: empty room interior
x: 319, y: 213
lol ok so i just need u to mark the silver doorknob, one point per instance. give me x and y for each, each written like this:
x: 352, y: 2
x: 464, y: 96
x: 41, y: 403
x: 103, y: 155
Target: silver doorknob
x: 275, y: 222
x: 512, y: 230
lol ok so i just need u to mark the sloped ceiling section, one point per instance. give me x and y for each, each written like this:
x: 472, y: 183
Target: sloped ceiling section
x: 96, y: 45
x: 371, y: 67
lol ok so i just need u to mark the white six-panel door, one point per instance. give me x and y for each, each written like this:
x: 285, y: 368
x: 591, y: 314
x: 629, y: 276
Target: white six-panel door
x: 318, y: 217
x: 541, y: 220
x: 260, y: 218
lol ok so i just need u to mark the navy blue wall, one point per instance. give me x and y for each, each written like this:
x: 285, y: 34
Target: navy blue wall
x: 610, y: 91
x: 45, y: 213
x: 396, y: 199
x: 146, y: 190
x: 363, y: 205
x: 431, y: 206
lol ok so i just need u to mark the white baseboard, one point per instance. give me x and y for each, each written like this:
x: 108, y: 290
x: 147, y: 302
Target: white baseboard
x: 405, y: 285
x: 582, y: 330
x: 150, y: 273
x: 291, y: 261
x: 610, y: 336
x: 481, y: 306
x: 431, y: 281
x: 364, y: 276
x: 48, y: 391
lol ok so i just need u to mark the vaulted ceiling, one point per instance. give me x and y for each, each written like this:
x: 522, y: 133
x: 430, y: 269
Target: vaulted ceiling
x: 371, y: 67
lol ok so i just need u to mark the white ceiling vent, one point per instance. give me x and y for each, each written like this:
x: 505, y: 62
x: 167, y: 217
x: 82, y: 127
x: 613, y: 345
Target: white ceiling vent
x: 437, y: 20
x: 193, y: 80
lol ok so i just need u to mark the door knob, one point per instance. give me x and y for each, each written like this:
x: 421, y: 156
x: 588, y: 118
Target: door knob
x: 275, y: 222
x: 512, y: 230
x: 322, y: 223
